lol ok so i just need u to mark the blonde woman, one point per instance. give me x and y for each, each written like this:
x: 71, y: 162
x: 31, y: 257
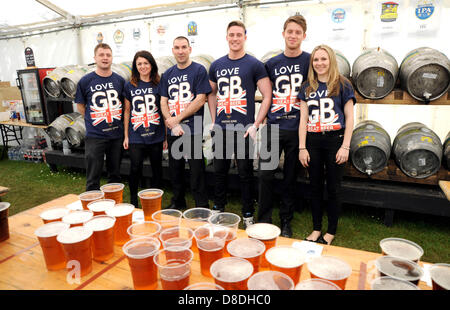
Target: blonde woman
x: 325, y: 131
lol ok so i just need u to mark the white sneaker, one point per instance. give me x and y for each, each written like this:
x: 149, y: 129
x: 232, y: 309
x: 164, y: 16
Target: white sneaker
x: 248, y: 221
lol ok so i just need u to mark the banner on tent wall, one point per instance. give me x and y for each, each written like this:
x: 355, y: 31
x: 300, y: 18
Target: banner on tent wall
x: 424, y: 15
x: 389, y: 16
x: 339, y: 19
x: 29, y: 57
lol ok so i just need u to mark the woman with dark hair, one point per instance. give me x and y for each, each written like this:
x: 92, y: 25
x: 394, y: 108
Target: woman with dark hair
x: 325, y: 131
x: 145, y: 133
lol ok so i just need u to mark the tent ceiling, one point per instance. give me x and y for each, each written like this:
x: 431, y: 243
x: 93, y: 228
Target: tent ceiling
x: 27, y: 17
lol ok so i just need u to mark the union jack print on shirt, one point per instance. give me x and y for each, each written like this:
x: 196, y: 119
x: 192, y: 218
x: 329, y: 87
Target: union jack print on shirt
x: 107, y: 115
x: 287, y: 103
x: 228, y: 104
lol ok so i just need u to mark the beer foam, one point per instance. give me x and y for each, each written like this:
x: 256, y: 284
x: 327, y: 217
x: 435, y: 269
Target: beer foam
x: 401, y: 248
x: 388, y: 283
x: 51, y: 229
x: 77, y: 217
x: 245, y: 248
x: 285, y: 257
x: 441, y: 275
x: 74, y: 235
x: 317, y: 285
x: 263, y: 231
x: 231, y: 269
x: 120, y: 209
x: 270, y: 280
x: 113, y: 187
x: 329, y: 267
x: 55, y: 213
x: 399, y: 268
x: 99, y: 223
x: 101, y: 205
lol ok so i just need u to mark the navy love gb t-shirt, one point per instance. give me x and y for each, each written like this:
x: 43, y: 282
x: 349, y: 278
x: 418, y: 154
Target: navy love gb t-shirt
x: 146, y: 122
x: 236, y: 86
x: 286, y: 74
x: 181, y: 87
x: 102, y: 97
x: 326, y: 113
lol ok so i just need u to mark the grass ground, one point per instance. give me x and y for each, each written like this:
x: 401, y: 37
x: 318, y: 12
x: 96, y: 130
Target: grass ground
x: 361, y: 228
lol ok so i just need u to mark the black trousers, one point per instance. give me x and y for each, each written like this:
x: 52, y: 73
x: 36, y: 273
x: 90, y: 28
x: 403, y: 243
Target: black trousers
x: 192, y: 148
x: 286, y: 141
x: 322, y: 150
x: 222, y: 161
x: 137, y: 153
x: 95, y: 151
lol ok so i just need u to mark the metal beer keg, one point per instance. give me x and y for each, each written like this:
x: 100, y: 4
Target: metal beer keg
x: 270, y: 54
x: 370, y: 147
x: 425, y: 74
x: 57, y: 129
x: 76, y: 131
x: 343, y: 64
x: 417, y: 150
x: 52, y: 81
x: 70, y: 79
x: 447, y: 151
x: 374, y: 73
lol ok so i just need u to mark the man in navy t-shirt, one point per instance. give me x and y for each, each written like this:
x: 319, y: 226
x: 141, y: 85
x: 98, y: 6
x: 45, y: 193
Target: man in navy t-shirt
x: 287, y: 71
x: 234, y: 79
x: 99, y: 100
x: 183, y: 89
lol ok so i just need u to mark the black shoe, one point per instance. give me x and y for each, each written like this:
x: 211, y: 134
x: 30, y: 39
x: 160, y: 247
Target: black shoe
x: 286, y: 230
x: 217, y: 209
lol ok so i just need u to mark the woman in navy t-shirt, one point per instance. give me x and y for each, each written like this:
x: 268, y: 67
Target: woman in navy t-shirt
x: 144, y: 127
x: 325, y: 131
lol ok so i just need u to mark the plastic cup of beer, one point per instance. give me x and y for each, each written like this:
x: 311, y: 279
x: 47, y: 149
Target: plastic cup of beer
x: 167, y: 218
x: 51, y: 249
x: 286, y: 259
x: 232, y: 273
x: 144, y: 229
x: 229, y: 220
x: 210, y: 242
x: 403, y: 248
x: 177, y: 236
x: 113, y: 191
x: 174, y: 267
x: 78, y: 217
x: 204, y: 286
x: 140, y: 252
x: 440, y: 276
x: 123, y: 212
x: 194, y: 218
x: 391, y: 284
x: 4, y: 226
x: 267, y: 233
x: 317, y: 285
x: 270, y: 280
x: 102, y: 237
x: 76, y: 242
x: 399, y: 268
x: 99, y: 207
x: 54, y: 214
x: 330, y: 268
x: 249, y: 249
x: 150, y: 201
x: 90, y: 196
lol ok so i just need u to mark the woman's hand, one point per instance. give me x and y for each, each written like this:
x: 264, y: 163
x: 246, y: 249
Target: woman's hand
x: 303, y: 156
x: 125, y: 143
x: 342, y: 155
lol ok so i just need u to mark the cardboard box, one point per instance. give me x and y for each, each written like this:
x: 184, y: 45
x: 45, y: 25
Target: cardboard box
x: 8, y: 93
